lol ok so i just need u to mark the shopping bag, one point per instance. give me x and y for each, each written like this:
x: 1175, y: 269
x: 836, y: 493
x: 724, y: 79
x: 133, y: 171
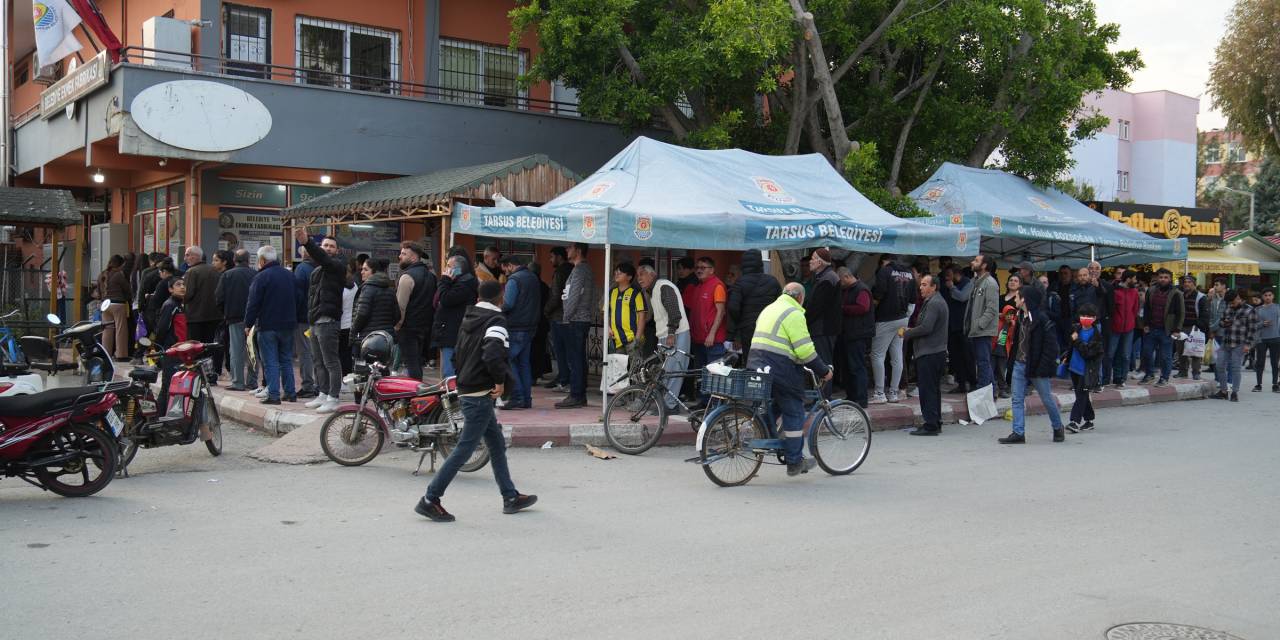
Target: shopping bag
x: 1209, y: 351
x: 1194, y: 346
x: 139, y: 328
x: 982, y: 405
x: 615, y: 377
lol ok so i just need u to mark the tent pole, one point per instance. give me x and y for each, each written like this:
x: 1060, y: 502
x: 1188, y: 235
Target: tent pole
x: 1093, y: 253
x: 604, y: 329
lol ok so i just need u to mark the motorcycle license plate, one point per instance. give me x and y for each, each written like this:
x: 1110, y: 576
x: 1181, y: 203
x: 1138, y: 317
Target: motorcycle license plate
x: 113, y: 419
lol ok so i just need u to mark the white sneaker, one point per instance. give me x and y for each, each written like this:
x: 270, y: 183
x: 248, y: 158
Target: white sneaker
x: 329, y: 406
x: 877, y: 398
x: 317, y: 401
x: 893, y: 397
x: 913, y: 391
x: 260, y: 392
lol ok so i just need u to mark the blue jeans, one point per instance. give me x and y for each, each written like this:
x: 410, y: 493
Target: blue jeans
x: 575, y: 347
x: 276, y: 349
x: 1043, y: 388
x: 704, y: 355
x: 521, y: 370
x: 446, y: 362
x: 1119, y: 350
x: 1158, y: 346
x: 676, y: 362
x: 981, y: 349
x: 559, y: 336
x: 236, y: 353
x: 478, y: 422
x: 1229, y: 360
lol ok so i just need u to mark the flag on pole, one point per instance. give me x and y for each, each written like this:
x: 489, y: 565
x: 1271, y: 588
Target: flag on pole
x: 55, y: 20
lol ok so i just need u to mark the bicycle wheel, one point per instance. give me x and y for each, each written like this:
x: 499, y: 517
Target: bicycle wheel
x: 840, y: 437
x: 351, y: 438
x: 634, y: 420
x: 727, y: 459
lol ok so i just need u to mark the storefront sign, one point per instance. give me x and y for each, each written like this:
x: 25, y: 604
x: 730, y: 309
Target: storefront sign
x: 78, y: 83
x: 1201, y: 227
x: 252, y: 194
x: 299, y: 195
x: 249, y: 229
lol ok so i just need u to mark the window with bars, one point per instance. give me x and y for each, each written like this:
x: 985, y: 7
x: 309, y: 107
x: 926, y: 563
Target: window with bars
x: 338, y: 54
x: 159, y: 219
x: 247, y: 45
x: 482, y: 74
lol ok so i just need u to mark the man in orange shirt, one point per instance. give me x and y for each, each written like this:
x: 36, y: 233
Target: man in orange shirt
x: 706, y: 301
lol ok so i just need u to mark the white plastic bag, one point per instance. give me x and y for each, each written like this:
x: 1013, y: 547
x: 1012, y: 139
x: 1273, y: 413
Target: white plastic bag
x: 982, y: 405
x: 1194, y: 346
x: 616, y: 376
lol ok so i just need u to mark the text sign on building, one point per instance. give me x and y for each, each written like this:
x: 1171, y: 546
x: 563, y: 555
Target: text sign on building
x: 300, y: 194
x: 78, y: 83
x: 252, y: 194
x: 1201, y: 227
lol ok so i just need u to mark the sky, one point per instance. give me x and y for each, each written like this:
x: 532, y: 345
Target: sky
x: 1177, y: 39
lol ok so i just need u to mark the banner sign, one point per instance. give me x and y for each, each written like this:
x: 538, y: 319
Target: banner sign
x: 298, y: 195
x: 78, y: 83
x: 1200, y: 227
x: 251, y: 194
x: 249, y: 229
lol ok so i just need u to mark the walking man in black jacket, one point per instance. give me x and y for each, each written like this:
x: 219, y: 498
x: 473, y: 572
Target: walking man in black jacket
x: 232, y: 295
x: 748, y: 296
x: 483, y: 368
x: 415, y: 292
x: 1035, y: 361
x: 324, y: 312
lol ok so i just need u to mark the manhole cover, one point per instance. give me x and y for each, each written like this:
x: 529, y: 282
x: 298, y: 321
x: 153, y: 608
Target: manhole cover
x: 1164, y: 631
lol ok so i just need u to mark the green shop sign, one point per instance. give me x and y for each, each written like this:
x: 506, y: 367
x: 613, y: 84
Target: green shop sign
x: 252, y: 194
x: 299, y: 195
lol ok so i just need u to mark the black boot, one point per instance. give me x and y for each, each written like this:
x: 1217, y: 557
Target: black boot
x: 1059, y: 436
x: 1013, y: 438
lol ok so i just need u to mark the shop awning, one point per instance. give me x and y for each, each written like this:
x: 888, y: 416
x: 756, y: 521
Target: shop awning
x: 534, y: 178
x: 654, y: 194
x: 42, y: 207
x: 1212, y: 261
x: 1020, y: 221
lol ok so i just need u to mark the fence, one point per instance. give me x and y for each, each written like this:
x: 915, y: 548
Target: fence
x: 22, y: 287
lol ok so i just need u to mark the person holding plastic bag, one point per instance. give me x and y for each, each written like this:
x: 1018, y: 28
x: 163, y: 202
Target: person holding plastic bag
x: 1086, y: 349
x: 1196, y: 317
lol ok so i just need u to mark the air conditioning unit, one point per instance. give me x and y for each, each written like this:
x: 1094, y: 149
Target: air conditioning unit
x: 167, y: 42
x: 45, y: 74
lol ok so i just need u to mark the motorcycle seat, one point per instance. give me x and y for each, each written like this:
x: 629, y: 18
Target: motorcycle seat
x: 145, y: 374
x: 45, y: 402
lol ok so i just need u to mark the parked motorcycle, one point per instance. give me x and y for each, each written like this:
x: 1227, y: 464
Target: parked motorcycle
x: 420, y: 417
x: 62, y: 440
x: 192, y: 412
x: 85, y: 338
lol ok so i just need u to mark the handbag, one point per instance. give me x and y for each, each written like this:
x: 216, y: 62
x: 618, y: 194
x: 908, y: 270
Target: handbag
x: 1195, y: 345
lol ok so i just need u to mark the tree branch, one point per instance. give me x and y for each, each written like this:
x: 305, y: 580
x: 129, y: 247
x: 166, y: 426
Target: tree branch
x: 840, y: 144
x: 674, y: 119
x: 990, y: 139
x: 894, y: 170
x: 799, y: 98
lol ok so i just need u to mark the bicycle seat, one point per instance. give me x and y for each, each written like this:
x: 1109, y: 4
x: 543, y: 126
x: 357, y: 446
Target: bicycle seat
x: 144, y: 374
x: 39, y: 404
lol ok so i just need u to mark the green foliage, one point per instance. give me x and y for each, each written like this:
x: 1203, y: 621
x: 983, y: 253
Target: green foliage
x: 1081, y: 191
x: 1266, y: 192
x: 1245, y: 76
x: 1233, y: 206
x: 863, y: 170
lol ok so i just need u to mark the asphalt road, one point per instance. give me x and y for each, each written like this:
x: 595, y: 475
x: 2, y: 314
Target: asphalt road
x: 1166, y: 513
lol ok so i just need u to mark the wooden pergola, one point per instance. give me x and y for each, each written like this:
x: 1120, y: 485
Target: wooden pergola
x: 53, y: 209
x: 429, y: 198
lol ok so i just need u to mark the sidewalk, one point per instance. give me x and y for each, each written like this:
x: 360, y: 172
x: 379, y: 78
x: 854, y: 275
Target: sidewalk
x: 543, y: 423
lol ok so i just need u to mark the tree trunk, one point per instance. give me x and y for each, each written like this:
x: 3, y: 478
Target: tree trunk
x: 892, y: 182
x: 840, y: 144
x: 989, y: 140
x: 799, y: 100
x: 672, y: 116
x: 819, y: 142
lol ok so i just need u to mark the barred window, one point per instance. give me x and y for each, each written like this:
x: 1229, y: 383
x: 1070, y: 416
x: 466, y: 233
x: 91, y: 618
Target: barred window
x: 337, y: 54
x: 482, y: 74
x: 247, y: 45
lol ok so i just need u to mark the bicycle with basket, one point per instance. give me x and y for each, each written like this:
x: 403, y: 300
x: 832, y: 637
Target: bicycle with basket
x: 742, y: 432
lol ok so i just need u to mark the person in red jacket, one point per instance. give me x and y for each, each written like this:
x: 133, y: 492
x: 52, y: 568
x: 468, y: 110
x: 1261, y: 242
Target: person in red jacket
x: 1124, y: 319
x: 707, y: 319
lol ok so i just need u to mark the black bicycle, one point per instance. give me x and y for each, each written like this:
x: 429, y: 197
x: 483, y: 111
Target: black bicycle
x: 636, y: 416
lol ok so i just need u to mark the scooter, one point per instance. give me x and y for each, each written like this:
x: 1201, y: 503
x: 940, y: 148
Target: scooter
x: 62, y: 440
x: 86, y: 341
x: 192, y: 412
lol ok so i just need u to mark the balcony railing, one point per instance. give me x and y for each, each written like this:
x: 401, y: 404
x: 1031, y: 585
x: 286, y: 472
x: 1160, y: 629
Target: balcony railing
x: 354, y: 82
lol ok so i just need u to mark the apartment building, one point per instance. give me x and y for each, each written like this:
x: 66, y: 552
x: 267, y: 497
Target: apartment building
x: 1223, y: 154
x: 1146, y: 154
x: 215, y: 113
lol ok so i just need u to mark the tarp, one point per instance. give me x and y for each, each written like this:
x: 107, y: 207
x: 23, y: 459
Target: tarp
x: 1020, y: 221
x: 654, y: 194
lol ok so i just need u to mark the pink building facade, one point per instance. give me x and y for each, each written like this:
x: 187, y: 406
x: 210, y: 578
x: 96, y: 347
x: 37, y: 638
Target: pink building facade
x: 1146, y: 154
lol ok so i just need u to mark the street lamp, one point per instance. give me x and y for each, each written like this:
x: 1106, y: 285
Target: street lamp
x: 1244, y: 193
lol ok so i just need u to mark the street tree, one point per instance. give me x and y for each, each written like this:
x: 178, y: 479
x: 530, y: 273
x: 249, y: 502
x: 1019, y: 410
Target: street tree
x: 1245, y: 76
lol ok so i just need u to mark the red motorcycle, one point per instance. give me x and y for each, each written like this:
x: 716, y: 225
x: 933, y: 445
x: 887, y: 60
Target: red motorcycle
x: 413, y: 415
x: 192, y: 414
x: 62, y: 440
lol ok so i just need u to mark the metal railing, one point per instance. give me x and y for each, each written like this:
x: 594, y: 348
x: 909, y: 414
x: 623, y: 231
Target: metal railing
x: 355, y: 82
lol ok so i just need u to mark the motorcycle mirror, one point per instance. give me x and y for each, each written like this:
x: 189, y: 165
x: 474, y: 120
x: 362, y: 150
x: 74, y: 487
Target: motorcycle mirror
x: 144, y: 341
x: 53, y: 319
x: 105, y: 304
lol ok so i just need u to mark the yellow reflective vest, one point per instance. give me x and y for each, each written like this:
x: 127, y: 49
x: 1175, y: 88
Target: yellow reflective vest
x: 781, y: 329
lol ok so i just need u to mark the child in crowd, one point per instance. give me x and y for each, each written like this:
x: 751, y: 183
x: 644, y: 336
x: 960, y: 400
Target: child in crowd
x: 1002, y: 347
x: 1086, y: 350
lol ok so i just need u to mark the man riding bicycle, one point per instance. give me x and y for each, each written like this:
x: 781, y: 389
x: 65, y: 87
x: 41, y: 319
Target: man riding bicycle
x: 782, y: 343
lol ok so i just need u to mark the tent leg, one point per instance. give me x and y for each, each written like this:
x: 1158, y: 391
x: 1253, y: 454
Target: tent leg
x: 1093, y: 253
x: 604, y: 330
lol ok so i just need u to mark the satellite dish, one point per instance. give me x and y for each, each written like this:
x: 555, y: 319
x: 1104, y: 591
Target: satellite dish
x: 200, y: 115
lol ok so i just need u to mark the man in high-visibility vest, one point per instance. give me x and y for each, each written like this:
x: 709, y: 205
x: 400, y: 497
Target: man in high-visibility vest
x: 782, y: 343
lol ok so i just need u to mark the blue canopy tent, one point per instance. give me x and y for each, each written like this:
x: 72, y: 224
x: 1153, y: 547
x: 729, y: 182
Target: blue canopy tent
x: 1020, y: 221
